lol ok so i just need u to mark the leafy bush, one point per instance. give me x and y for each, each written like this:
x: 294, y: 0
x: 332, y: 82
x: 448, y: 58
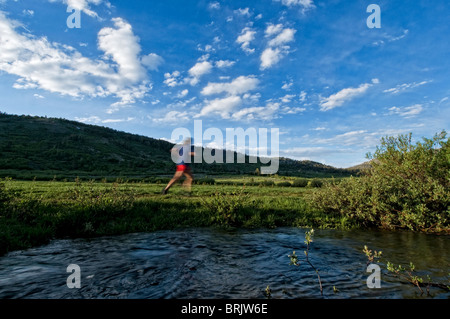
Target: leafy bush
x: 225, y: 207
x: 267, y: 183
x: 406, y: 187
x: 300, y: 182
x: 284, y: 184
x: 315, y: 183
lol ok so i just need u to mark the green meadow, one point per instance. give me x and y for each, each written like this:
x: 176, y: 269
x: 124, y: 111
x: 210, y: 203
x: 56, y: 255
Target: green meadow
x: 34, y: 212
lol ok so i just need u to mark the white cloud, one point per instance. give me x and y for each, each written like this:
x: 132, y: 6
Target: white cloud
x: 286, y: 36
x: 269, y: 57
x: 360, y: 138
x: 403, y: 87
x: 247, y: 35
x: 304, y: 153
x: 206, y: 48
x: 152, y: 61
x: 222, y: 107
x: 198, y: 70
x: 97, y: 120
x: 287, y: 98
x: 84, y: 5
x: 183, y: 93
x: 339, y: 98
x: 59, y: 68
x: 407, y: 111
x: 252, y: 97
x: 392, y: 39
x: 181, y: 103
x: 302, y: 96
x: 122, y: 46
x: 271, y: 111
x: 273, y: 29
x: 91, y: 119
x: 292, y: 110
x: 305, y: 4
x: 28, y: 12
x: 259, y: 112
x: 224, y: 64
x: 118, y: 120
x: 287, y: 85
x: 348, y: 138
x: 172, y: 79
x: 239, y: 85
x: 277, y: 47
x: 243, y: 12
x: 172, y: 117
x: 38, y: 96
x: 214, y: 5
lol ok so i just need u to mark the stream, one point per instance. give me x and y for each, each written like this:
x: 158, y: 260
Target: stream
x: 211, y: 263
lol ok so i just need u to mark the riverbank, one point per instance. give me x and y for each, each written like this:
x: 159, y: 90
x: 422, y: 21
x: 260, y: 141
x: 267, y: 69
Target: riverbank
x: 34, y: 212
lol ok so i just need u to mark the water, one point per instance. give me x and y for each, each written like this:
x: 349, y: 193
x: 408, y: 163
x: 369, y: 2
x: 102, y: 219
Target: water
x: 211, y: 263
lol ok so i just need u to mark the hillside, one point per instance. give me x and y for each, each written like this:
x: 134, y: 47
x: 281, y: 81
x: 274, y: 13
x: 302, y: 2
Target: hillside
x: 47, y: 148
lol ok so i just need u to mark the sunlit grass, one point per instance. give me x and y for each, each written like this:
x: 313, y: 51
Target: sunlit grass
x: 38, y: 211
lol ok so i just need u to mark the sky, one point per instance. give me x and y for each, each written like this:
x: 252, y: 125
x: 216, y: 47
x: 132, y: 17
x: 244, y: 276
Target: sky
x: 315, y: 70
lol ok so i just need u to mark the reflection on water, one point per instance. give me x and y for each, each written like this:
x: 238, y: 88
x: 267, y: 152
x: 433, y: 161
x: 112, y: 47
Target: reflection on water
x: 211, y: 263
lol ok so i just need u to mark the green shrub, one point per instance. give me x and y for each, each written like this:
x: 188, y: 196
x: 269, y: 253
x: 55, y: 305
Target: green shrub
x: 226, y: 207
x: 267, y: 183
x: 407, y: 187
x: 315, y: 183
x: 300, y: 182
x: 284, y: 184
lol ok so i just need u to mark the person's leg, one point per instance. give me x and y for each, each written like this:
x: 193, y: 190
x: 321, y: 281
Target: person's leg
x: 174, y: 179
x: 189, y: 178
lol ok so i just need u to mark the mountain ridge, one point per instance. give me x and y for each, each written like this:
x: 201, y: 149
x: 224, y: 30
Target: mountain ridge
x: 45, y: 147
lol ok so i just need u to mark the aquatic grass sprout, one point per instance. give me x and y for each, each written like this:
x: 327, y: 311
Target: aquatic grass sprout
x: 296, y: 261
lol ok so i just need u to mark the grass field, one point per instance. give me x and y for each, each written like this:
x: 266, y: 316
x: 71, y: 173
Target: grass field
x: 34, y: 212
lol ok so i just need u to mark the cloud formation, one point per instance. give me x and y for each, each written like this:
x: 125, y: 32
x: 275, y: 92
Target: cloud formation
x: 247, y: 35
x: 403, y: 87
x: 57, y: 68
x: 84, y: 5
x: 221, y: 106
x: 277, y: 47
x: 344, y: 95
x: 407, y: 111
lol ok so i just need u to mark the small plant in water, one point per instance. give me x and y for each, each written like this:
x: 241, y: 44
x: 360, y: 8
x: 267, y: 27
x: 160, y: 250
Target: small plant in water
x: 268, y: 292
x: 371, y: 256
x: 408, y: 275
x: 405, y: 273
x: 296, y: 261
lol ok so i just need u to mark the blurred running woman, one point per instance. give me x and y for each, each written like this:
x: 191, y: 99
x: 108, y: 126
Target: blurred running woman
x: 181, y: 155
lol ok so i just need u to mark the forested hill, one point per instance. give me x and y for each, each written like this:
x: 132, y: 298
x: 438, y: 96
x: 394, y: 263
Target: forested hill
x: 45, y: 148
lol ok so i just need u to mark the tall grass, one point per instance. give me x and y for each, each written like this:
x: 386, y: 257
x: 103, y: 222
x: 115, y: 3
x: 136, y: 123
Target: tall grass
x: 32, y: 213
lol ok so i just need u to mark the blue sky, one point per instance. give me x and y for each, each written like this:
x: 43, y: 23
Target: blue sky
x: 311, y: 68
